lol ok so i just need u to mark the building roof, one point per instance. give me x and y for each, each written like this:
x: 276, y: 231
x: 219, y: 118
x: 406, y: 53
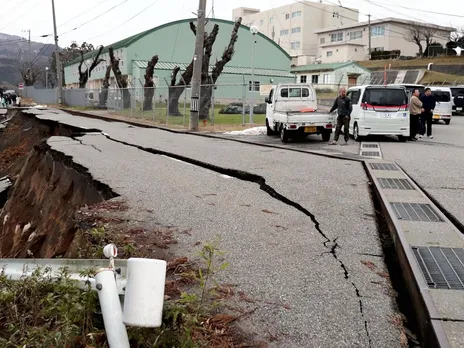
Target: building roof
x: 131, y: 39
x: 142, y: 64
x: 325, y: 67
x: 385, y: 20
x: 335, y: 44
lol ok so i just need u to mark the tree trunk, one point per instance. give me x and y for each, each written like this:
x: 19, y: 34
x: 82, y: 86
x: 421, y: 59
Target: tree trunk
x: 174, y: 95
x: 149, y: 86
x: 105, y: 87
x: 84, y: 75
x: 120, y: 80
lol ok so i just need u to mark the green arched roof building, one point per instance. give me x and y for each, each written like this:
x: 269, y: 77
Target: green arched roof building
x: 174, y: 44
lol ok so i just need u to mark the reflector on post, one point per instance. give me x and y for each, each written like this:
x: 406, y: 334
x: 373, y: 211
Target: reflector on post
x: 144, y: 297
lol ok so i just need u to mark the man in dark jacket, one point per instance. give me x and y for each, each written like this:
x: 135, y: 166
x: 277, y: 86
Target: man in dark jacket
x: 428, y: 105
x: 344, y: 109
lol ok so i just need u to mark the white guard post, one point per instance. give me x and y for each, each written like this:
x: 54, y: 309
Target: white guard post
x: 144, y: 297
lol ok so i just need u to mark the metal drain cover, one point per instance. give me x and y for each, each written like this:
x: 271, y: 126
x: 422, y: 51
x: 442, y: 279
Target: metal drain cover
x: 396, y: 184
x: 443, y: 268
x: 370, y: 153
x: 415, y: 212
x: 370, y: 146
x: 383, y: 166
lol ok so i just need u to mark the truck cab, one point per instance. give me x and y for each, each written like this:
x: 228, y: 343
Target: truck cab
x: 292, y: 112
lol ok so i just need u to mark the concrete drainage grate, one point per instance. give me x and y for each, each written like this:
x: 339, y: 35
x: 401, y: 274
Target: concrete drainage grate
x: 370, y: 146
x: 415, y: 212
x: 396, y: 184
x: 383, y: 166
x: 443, y: 268
x: 370, y: 153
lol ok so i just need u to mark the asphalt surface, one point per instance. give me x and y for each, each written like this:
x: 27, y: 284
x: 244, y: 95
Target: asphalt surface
x: 277, y: 255
x: 437, y: 164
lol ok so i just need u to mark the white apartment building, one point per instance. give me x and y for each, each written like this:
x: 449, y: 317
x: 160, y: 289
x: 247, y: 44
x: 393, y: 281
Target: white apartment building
x: 293, y: 26
x: 351, y: 42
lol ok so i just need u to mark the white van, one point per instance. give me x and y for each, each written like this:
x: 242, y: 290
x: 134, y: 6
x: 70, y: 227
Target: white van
x: 444, y: 107
x: 410, y: 88
x: 379, y: 110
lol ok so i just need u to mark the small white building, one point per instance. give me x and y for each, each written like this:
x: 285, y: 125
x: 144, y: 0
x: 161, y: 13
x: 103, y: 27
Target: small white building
x: 351, y: 42
x: 331, y: 76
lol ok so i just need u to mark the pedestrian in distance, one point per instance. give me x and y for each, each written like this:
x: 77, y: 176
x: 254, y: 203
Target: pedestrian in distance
x: 344, y: 108
x: 415, y: 111
x: 428, y: 105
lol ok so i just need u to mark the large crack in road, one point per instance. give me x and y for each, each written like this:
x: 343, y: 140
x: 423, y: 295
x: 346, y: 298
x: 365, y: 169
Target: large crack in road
x: 330, y: 244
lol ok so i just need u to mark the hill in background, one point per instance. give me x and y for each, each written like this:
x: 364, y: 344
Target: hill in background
x: 14, y: 55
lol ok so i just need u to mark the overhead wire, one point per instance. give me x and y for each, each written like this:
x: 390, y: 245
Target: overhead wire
x: 82, y: 13
x: 7, y: 11
x: 21, y: 15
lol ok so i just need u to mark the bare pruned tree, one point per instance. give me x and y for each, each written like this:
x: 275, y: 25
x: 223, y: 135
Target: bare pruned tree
x: 105, y: 86
x: 149, y: 86
x: 207, y: 80
x: 30, y: 75
x: 418, y: 33
x: 121, y: 80
x: 85, y: 75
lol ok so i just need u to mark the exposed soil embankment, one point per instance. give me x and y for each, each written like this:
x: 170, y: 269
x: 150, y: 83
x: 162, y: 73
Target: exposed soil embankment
x: 38, y: 217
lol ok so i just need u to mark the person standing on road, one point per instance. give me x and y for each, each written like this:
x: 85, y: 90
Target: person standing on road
x: 428, y: 105
x: 344, y: 109
x: 415, y: 111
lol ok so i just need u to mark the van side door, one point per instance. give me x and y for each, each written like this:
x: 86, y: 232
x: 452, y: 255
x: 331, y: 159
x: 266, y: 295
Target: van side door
x: 270, y: 108
x: 354, y: 95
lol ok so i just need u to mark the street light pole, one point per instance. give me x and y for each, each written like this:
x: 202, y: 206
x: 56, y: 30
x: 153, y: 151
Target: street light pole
x: 57, y: 56
x: 254, y: 31
x: 46, y: 77
x: 197, y: 65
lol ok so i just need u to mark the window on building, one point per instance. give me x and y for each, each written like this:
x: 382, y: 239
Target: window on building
x: 121, y: 62
x: 314, y: 79
x: 356, y: 35
x: 335, y: 14
x: 296, y: 14
x: 329, y: 53
x: 322, y: 40
x: 296, y: 30
x: 378, y: 49
x: 261, y: 22
x: 295, y: 45
x: 336, y: 37
x: 378, y: 30
x: 253, y: 86
x: 326, y: 79
x: 303, y: 79
x: 287, y: 15
x: 284, y: 32
x: 271, y: 20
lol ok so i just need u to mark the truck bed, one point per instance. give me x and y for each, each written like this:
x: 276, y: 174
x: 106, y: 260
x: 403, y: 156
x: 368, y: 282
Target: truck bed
x: 303, y: 117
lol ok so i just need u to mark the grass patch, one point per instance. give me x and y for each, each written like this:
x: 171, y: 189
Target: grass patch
x: 44, y: 311
x: 434, y: 77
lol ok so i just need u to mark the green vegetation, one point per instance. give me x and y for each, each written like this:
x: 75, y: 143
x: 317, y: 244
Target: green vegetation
x: 419, y: 62
x: 41, y: 311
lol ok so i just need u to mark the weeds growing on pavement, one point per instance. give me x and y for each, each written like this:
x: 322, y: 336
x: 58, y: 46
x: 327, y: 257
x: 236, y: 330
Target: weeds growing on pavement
x: 44, y: 311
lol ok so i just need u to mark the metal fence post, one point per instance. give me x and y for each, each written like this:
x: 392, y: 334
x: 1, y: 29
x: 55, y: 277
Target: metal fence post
x: 185, y: 106
x: 153, y: 101
x: 212, y: 105
x: 244, y: 98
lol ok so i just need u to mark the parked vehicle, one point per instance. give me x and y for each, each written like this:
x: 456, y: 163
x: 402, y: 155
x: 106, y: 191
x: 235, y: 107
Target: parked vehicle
x: 292, y: 111
x: 379, y: 110
x: 457, y: 93
x: 444, y: 107
x: 410, y: 88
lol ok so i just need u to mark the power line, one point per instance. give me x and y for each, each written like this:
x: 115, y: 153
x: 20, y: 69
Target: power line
x: 91, y: 20
x: 428, y: 11
x: 82, y: 13
x: 22, y: 15
x: 138, y: 13
x: 8, y: 10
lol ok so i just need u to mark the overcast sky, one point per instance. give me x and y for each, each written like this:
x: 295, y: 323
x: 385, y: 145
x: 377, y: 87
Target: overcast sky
x: 115, y: 24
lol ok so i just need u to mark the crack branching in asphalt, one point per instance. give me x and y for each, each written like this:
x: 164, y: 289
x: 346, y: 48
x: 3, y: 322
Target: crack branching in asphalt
x: 332, y: 245
x: 75, y: 137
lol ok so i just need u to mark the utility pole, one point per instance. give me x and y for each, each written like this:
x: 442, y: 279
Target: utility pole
x: 370, y: 34
x: 197, y: 65
x: 29, y: 50
x: 57, y: 58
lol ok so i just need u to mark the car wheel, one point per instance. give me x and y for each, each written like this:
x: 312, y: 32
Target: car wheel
x: 447, y: 121
x: 283, y: 134
x: 356, y: 132
x: 269, y: 131
x: 402, y: 138
x: 326, y: 135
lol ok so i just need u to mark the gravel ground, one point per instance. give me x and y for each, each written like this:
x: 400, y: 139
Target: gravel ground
x: 276, y: 253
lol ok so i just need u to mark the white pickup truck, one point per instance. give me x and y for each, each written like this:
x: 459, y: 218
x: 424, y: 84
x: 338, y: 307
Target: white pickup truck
x: 292, y: 111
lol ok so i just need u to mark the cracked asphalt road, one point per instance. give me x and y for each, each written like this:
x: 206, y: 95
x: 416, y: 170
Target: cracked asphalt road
x: 309, y: 290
